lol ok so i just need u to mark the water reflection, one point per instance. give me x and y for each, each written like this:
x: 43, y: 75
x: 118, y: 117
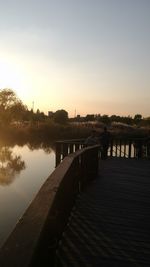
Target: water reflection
x: 44, y: 146
x: 38, y: 159
x: 10, y: 165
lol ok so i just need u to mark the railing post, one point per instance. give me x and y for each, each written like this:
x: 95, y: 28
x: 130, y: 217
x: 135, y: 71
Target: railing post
x: 76, y: 147
x: 120, y: 146
x: 58, y: 153
x: 111, y: 148
x: 116, y: 146
x: 64, y: 150
x: 130, y: 143
x: 124, y: 148
x: 71, y: 148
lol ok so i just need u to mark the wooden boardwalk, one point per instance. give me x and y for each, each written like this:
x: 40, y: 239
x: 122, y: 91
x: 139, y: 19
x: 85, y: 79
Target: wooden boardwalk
x: 110, y: 223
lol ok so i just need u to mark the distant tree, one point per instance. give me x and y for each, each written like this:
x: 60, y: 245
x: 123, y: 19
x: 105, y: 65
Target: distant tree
x: 137, y: 118
x: 11, y: 107
x: 105, y: 119
x: 147, y: 121
x: 39, y: 116
x: 7, y: 98
x: 115, y: 118
x: 127, y: 120
x: 90, y: 117
x: 61, y: 116
x: 18, y: 111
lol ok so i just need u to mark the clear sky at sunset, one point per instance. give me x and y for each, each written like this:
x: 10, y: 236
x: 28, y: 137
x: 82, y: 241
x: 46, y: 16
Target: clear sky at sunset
x: 92, y: 56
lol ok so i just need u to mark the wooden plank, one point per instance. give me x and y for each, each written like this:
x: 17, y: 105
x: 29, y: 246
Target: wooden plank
x: 110, y: 223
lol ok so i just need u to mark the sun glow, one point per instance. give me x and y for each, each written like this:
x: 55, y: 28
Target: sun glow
x: 11, y: 75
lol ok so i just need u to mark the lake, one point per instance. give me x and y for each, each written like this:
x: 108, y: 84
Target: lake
x: 23, y: 170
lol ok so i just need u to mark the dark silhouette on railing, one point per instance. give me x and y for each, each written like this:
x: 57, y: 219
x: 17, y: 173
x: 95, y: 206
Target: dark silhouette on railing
x: 104, y: 141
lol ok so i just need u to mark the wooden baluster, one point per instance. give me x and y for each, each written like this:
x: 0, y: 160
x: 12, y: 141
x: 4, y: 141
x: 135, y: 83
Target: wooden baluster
x: 65, y: 150
x: 111, y: 148
x: 116, y: 148
x: 120, y: 147
x: 134, y: 150
x: 76, y: 147
x: 130, y: 143
x: 58, y: 153
x: 71, y: 148
x: 124, y: 148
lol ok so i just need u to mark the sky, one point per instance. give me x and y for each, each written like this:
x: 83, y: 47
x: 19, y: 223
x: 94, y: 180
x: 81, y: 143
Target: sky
x: 84, y: 56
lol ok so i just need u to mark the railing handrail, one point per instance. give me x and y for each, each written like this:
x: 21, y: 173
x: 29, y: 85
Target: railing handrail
x: 71, y: 141
x: 44, y: 213
x: 126, y: 138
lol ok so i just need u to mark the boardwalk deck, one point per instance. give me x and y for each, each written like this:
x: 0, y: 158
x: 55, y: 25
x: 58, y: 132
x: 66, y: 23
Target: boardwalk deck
x: 110, y: 224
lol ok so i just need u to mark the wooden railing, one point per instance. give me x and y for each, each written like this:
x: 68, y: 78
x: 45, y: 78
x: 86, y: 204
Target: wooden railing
x: 129, y: 148
x: 35, y: 237
x: 66, y: 147
x: 118, y: 147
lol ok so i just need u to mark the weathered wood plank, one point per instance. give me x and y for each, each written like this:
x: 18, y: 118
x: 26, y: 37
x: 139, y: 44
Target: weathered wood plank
x: 110, y: 222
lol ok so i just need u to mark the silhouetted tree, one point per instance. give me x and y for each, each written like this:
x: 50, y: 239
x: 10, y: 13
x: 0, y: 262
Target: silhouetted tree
x: 7, y: 98
x: 18, y: 111
x: 105, y: 119
x: 115, y: 118
x: 127, y: 120
x: 40, y: 116
x: 90, y: 117
x: 61, y: 116
x: 137, y: 118
x: 11, y: 107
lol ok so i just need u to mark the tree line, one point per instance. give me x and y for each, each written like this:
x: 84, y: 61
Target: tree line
x: 137, y: 120
x: 12, y: 110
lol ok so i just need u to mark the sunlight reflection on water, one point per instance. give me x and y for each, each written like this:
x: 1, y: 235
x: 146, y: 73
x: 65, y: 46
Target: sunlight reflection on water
x: 19, y: 189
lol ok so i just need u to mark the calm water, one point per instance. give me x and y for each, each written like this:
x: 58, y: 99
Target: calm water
x: 23, y: 170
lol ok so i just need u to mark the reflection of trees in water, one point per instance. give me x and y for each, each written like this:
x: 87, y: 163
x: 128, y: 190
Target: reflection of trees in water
x: 47, y: 147
x: 10, y: 165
